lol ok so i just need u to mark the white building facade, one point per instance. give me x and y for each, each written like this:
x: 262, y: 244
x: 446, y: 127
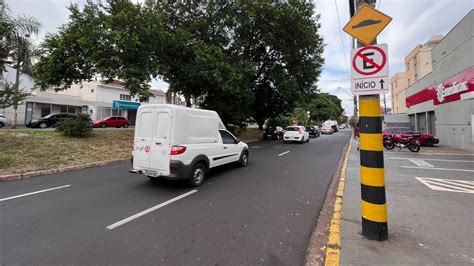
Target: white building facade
x: 95, y: 98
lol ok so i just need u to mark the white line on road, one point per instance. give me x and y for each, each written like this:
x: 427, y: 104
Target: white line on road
x: 433, y: 153
x: 434, y: 160
x: 154, y: 208
x: 35, y: 192
x: 451, y: 185
x: 445, y: 169
x: 421, y: 163
x: 283, y: 153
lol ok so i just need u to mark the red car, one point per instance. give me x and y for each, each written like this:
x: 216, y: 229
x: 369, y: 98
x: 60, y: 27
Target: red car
x: 424, y: 138
x: 111, y: 121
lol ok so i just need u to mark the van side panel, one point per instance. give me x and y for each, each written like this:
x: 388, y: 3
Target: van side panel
x: 201, y: 128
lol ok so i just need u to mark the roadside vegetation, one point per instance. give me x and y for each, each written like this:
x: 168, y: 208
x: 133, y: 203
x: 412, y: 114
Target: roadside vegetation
x: 25, y: 151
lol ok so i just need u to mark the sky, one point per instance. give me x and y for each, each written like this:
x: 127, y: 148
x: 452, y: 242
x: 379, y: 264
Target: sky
x: 413, y: 22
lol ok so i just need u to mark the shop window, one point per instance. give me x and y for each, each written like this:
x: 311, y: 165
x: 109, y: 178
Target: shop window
x: 63, y: 109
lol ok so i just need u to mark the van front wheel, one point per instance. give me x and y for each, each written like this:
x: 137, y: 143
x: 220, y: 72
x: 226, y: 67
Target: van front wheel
x: 197, y: 176
x: 244, y: 159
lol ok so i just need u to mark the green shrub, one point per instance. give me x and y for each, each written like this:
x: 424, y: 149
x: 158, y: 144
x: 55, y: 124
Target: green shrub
x: 77, y: 126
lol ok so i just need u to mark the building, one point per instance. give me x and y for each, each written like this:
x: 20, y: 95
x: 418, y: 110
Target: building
x: 442, y: 102
x: 95, y: 98
x: 399, y: 84
x: 418, y: 61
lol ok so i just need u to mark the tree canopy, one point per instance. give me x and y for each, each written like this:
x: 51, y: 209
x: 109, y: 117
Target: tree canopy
x: 244, y: 59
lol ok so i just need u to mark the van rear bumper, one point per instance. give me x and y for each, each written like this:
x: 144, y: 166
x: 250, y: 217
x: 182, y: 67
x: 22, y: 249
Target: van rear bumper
x: 179, y: 170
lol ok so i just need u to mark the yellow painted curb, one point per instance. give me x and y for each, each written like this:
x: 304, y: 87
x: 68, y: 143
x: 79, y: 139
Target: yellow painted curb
x: 334, y: 239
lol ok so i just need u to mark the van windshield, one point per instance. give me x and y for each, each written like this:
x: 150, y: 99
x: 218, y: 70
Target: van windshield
x: 291, y: 129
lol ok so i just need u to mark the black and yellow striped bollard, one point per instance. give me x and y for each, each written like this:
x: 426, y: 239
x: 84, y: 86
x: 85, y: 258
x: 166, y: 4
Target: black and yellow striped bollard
x: 373, y: 203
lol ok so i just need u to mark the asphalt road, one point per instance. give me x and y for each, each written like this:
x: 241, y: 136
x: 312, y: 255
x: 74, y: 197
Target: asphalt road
x: 261, y: 214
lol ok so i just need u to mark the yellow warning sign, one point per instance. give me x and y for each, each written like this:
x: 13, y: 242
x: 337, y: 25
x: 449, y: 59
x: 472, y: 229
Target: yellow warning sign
x: 367, y: 24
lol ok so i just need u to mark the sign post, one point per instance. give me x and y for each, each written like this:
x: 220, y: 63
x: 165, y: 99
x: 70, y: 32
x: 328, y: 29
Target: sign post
x: 369, y: 79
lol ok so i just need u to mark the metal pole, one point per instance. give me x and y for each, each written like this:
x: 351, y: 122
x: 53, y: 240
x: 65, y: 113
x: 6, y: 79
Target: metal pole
x: 373, y: 202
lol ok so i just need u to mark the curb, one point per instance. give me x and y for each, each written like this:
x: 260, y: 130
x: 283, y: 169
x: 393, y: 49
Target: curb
x: 334, y: 239
x: 58, y: 170
x: 318, y: 243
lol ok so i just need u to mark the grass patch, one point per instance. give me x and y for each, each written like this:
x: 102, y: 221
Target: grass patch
x: 25, y: 151
x: 250, y: 134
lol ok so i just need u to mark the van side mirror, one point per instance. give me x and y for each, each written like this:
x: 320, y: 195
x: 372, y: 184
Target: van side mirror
x: 237, y: 141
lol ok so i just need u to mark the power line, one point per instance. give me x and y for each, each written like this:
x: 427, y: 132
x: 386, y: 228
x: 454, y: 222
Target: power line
x: 342, y: 39
x: 378, y: 6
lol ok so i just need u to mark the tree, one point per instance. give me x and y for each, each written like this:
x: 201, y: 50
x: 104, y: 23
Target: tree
x: 16, y: 45
x: 8, y: 94
x: 299, y: 116
x: 243, y: 59
x: 323, y: 107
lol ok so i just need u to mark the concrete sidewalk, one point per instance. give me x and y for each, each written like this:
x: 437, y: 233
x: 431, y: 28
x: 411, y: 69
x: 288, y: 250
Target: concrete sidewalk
x: 426, y: 226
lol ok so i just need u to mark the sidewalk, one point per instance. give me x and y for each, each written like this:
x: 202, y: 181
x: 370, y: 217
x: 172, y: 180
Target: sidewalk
x: 427, y: 224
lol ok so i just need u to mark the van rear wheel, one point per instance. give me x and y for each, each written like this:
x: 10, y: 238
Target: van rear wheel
x: 197, y: 175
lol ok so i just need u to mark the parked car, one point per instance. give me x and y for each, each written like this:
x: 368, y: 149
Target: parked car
x: 3, y: 121
x: 177, y: 142
x: 273, y: 132
x: 313, y: 131
x: 296, y: 133
x: 48, y: 121
x: 425, y: 139
x: 327, y: 130
x: 342, y: 126
x: 111, y: 121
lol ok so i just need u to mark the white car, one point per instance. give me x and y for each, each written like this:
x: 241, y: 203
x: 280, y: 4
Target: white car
x: 327, y: 130
x: 3, y: 121
x: 296, y: 133
x: 177, y: 142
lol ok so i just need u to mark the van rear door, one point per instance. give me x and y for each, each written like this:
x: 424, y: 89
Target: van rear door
x: 143, y: 139
x: 160, y: 145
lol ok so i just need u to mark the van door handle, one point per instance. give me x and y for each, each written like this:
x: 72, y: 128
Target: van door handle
x: 158, y: 143
x: 225, y: 148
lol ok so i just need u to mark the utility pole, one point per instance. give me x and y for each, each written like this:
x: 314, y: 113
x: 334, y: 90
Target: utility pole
x: 373, y: 201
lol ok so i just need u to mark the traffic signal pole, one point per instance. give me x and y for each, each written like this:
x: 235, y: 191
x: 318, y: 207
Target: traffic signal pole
x: 373, y: 200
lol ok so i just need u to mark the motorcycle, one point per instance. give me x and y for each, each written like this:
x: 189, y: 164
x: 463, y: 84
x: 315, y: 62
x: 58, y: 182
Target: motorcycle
x: 398, y: 141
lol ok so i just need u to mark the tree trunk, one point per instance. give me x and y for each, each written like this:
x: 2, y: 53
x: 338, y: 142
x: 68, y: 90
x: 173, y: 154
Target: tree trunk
x: 188, y: 101
x: 17, y: 89
x: 260, y: 123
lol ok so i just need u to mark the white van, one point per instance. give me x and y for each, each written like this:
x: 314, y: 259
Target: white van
x: 178, y: 142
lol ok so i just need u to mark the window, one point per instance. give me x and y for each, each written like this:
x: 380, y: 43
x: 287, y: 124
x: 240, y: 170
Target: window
x: 404, y: 130
x: 92, y: 90
x: 45, y: 111
x: 145, y: 126
x: 125, y: 97
x: 63, y: 109
x: 162, y: 124
x: 226, y: 137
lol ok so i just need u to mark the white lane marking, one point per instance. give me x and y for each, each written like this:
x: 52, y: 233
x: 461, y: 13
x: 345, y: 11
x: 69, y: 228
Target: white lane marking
x: 450, y: 185
x: 283, y: 153
x: 433, y: 153
x: 434, y: 160
x: 35, y: 192
x: 154, y: 208
x: 443, y: 169
x: 421, y: 163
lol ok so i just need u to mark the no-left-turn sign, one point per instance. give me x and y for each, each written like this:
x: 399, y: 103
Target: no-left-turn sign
x: 370, y: 70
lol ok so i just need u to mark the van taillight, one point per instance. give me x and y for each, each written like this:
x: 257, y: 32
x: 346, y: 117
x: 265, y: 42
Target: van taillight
x: 176, y: 150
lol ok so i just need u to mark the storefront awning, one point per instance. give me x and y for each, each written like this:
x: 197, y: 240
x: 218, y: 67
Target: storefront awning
x: 125, y: 105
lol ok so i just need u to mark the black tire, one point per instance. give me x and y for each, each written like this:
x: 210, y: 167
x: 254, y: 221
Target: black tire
x: 414, y: 147
x: 285, y: 141
x: 428, y: 142
x: 302, y: 140
x: 1, y: 124
x: 244, y: 159
x: 125, y: 126
x: 43, y: 125
x: 103, y: 125
x: 307, y: 141
x: 154, y: 178
x: 197, y: 175
x: 388, y: 146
